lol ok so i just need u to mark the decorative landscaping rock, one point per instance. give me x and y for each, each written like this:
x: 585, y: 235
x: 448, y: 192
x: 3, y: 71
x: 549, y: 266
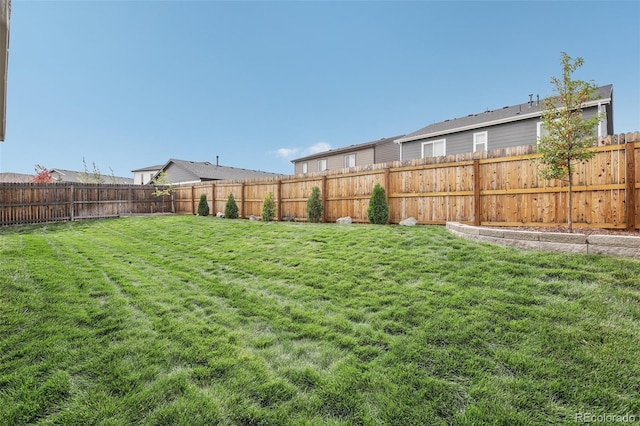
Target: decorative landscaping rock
x: 219, y: 214
x: 289, y: 219
x: 410, y: 221
x: 346, y: 219
x: 253, y: 217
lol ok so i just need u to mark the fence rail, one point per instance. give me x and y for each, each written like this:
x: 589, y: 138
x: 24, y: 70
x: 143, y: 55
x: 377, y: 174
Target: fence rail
x: 497, y: 188
x: 22, y: 203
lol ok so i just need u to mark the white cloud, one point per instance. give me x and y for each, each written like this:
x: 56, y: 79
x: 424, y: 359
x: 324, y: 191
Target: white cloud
x: 291, y: 153
x: 319, y: 147
x: 287, y: 153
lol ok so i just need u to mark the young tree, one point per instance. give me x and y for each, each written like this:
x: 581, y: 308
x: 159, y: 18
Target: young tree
x: 568, y: 134
x: 90, y: 177
x: 43, y: 175
x: 268, y: 208
x: 314, y: 206
x: 378, y: 211
x: 203, y: 206
x: 231, y: 208
x: 163, y: 186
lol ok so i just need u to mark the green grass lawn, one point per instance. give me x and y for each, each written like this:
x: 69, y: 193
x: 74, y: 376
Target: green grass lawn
x: 199, y: 321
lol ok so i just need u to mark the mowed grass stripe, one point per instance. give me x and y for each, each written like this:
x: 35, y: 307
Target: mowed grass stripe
x: 190, y: 320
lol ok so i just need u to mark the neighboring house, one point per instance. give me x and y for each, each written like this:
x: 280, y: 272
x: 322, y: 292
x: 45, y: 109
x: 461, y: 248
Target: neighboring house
x: 506, y: 127
x: 15, y: 178
x: 181, y: 171
x: 144, y: 175
x: 363, y: 154
x: 61, y: 175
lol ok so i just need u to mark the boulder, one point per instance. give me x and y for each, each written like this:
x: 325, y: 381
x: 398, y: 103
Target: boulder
x: 253, y: 217
x: 410, y: 221
x: 219, y: 214
x: 346, y: 219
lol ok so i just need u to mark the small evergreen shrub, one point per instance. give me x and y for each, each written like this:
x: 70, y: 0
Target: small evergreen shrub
x: 231, y: 208
x: 268, y: 208
x: 378, y: 211
x: 203, y: 206
x: 314, y: 206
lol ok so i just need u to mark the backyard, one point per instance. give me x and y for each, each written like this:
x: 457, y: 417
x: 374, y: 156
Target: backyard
x: 198, y: 320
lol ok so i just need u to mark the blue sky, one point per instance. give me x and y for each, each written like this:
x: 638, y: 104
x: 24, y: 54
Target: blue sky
x: 129, y: 84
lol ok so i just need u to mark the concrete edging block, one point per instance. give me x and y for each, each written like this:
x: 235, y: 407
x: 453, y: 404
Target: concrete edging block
x: 615, y: 240
x: 615, y: 245
x: 559, y: 237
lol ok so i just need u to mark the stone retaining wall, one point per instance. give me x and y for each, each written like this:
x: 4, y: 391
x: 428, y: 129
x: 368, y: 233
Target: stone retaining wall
x: 618, y: 245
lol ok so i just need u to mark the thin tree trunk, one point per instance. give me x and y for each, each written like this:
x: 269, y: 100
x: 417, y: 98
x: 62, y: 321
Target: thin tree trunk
x: 570, y: 205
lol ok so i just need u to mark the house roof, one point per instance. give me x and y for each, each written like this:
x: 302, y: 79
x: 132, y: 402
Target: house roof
x: 206, y: 171
x: 73, y: 176
x: 15, y: 178
x: 148, y: 169
x: 493, y: 117
x: 349, y: 148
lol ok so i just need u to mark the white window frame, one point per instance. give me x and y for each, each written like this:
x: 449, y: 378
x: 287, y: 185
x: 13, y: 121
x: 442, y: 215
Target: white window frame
x: 305, y: 167
x: 485, y: 143
x: 322, y: 165
x: 539, y: 130
x: 444, y: 147
x: 347, y: 160
x: 602, y: 124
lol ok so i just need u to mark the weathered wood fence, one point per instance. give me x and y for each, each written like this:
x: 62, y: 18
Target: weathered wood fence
x: 498, y: 188
x: 22, y: 203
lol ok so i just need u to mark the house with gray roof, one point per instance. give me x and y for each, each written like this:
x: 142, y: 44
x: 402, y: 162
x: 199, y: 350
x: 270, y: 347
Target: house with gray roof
x: 144, y: 175
x: 15, y: 178
x: 496, y: 129
x: 62, y: 175
x: 379, y: 151
x: 181, y: 171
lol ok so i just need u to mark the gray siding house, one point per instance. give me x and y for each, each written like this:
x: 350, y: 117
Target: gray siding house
x: 506, y: 127
x: 380, y: 151
x: 143, y: 175
x: 181, y: 171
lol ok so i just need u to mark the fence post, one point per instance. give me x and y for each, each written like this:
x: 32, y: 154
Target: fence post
x: 630, y: 179
x: 476, y: 193
x: 242, y: 204
x: 130, y: 199
x: 193, y: 200
x: 279, y: 203
x: 386, y: 190
x: 72, y: 207
x: 213, y: 199
x: 324, y: 199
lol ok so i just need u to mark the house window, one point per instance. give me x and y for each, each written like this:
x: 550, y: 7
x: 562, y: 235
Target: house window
x: 434, y: 148
x: 480, y: 140
x: 305, y: 167
x: 540, y: 131
x: 322, y: 165
x: 350, y: 160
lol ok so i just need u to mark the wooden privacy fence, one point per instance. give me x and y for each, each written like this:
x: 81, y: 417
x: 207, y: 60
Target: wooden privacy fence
x: 497, y: 188
x: 22, y: 203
